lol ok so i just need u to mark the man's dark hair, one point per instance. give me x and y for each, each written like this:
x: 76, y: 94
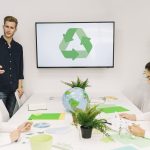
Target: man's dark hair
x: 11, y: 19
x: 147, y: 66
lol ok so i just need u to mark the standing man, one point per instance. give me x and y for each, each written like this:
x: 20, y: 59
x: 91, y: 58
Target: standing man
x: 11, y: 65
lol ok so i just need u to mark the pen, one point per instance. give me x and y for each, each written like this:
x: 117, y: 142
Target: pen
x: 107, y: 122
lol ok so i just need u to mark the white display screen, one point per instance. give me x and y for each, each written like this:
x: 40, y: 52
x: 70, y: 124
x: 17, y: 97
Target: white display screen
x: 75, y: 44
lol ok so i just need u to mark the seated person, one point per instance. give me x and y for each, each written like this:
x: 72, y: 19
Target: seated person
x: 136, y: 129
x: 14, y: 133
x: 140, y: 93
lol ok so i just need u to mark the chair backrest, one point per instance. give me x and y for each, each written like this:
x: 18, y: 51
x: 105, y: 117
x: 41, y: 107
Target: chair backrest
x: 21, y: 100
x: 4, y: 115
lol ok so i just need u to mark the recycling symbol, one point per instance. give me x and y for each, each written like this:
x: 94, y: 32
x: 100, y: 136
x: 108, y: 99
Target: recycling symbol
x: 73, y: 53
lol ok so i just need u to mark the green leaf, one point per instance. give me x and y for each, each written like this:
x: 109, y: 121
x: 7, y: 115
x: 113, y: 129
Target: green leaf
x: 77, y: 83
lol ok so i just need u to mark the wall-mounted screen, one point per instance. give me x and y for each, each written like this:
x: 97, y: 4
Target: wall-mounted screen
x: 75, y: 44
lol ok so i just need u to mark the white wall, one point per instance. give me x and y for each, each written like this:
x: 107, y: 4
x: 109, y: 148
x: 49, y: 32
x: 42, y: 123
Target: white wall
x: 132, y: 41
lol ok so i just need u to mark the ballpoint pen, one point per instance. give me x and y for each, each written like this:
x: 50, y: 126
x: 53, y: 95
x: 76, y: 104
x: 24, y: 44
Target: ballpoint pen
x: 107, y: 122
x: 120, y: 130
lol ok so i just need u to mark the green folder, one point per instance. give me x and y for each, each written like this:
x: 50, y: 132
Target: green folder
x: 113, y: 109
x: 47, y: 116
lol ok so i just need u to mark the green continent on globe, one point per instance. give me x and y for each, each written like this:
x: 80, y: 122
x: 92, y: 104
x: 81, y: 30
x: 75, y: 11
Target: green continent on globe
x: 73, y: 103
x: 67, y: 92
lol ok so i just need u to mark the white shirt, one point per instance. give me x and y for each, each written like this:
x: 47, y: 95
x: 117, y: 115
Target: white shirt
x: 5, y: 129
x: 140, y: 95
x: 144, y: 117
x: 144, y: 101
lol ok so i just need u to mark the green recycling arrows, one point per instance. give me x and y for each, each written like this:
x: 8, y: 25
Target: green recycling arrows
x: 68, y: 37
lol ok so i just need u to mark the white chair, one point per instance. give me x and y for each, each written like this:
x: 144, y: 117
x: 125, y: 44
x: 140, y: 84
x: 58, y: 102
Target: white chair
x: 4, y: 115
x: 20, y: 101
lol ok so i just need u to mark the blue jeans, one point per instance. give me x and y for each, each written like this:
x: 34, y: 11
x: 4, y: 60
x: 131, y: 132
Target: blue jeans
x: 9, y: 100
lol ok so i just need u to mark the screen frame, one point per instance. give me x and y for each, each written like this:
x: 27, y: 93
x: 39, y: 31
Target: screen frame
x: 112, y: 66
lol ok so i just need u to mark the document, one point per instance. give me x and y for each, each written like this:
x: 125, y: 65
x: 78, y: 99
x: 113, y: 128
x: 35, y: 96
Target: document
x: 37, y: 106
x: 111, y: 108
x: 47, y: 116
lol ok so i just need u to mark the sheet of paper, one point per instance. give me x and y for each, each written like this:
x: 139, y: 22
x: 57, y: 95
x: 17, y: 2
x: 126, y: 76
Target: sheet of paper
x: 38, y: 106
x: 111, y: 108
x: 47, y: 116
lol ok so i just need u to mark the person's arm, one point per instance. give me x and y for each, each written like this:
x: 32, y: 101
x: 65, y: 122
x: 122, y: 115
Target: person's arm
x: 21, y: 76
x: 11, y: 134
x: 20, y: 88
x: 5, y: 139
x: 131, y: 117
x: 9, y: 137
x: 138, y: 131
x: 143, y: 117
x: 6, y: 127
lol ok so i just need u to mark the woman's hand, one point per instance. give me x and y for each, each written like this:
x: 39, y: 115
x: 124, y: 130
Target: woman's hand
x: 128, y: 116
x: 137, y: 130
x: 14, y: 135
x: 26, y: 126
x: 20, y: 92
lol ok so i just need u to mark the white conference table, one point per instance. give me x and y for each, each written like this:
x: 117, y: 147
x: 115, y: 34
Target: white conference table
x: 71, y: 135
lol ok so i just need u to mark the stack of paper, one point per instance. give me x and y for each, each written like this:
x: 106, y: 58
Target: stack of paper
x: 40, y: 106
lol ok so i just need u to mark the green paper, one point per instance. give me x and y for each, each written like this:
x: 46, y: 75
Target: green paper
x: 45, y: 116
x: 113, y: 109
x: 126, y: 148
x: 128, y: 139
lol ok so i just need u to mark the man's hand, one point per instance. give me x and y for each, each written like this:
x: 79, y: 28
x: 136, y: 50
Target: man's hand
x: 14, y: 135
x: 128, y: 116
x: 137, y: 130
x: 26, y: 126
x: 1, y: 70
x: 20, y: 92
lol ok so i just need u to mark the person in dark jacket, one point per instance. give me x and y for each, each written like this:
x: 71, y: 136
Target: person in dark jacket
x: 11, y: 65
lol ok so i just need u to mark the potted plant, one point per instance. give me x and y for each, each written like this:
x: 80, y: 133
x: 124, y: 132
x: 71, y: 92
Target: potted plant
x: 76, y: 97
x: 87, y: 120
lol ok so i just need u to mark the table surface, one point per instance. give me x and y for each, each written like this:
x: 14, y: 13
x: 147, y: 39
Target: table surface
x: 66, y: 136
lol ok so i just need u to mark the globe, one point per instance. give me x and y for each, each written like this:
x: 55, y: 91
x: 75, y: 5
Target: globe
x: 75, y: 98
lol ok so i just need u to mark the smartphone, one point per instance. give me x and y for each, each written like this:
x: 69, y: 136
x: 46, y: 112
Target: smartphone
x: 2, y: 70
